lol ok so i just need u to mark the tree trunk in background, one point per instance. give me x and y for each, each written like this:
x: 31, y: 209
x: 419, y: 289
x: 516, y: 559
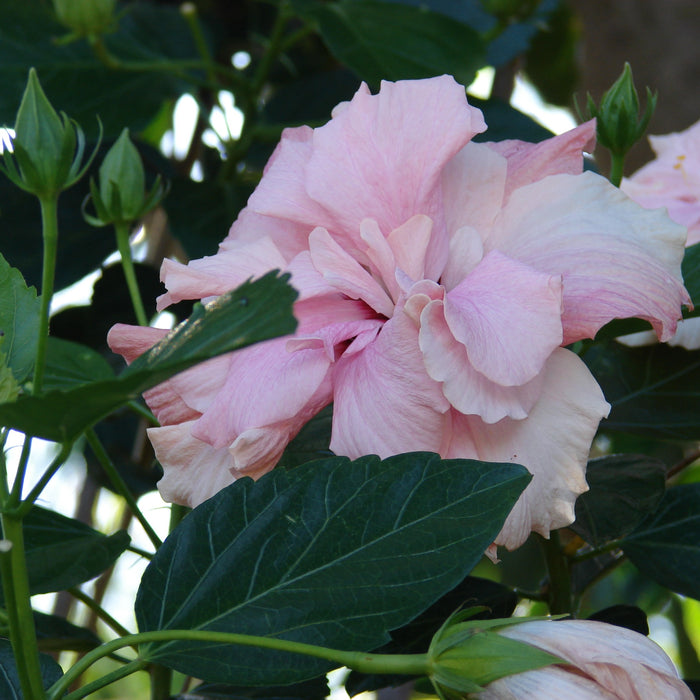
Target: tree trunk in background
x: 661, y: 41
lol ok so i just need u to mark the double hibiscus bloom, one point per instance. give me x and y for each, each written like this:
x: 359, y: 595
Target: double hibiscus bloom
x: 439, y: 282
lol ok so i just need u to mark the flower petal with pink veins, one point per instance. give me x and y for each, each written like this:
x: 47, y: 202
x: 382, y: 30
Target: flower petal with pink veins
x: 192, y: 470
x: 530, y: 162
x: 344, y: 273
x: 266, y: 384
x: 620, y: 662
x: 552, y: 443
x: 508, y: 317
x: 469, y: 391
x: 217, y: 274
x: 473, y: 187
x: 617, y: 260
x: 384, y: 402
x: 360, y: 169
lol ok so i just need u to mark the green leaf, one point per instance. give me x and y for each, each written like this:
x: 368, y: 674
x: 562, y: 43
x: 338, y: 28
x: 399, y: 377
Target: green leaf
x: 10, y: 688
x: 666, y: 545
x: 652, y: 389
x: 388, y: 41
x: 335, y: 553
x: 72, y: 364
x: 623, y: 490
x: 63, y: 552
x: 76, y: 82
x: 691, y: 272
x: 312, y: 441
x: 57, y: 634
x: 255, y: 311
x: 506, y: 122
x: 19, y: 320
x: 315, y: 689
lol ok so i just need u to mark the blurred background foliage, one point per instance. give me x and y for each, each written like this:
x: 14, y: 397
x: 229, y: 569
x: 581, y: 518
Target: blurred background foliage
x: 206, y: 89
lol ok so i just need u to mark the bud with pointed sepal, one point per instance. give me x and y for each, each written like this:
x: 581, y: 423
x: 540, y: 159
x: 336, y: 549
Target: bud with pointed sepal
x: 85, y: 17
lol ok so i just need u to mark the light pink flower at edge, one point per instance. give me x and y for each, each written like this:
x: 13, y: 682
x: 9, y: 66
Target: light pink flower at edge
x: 607, y: 663
x: 439, y: 280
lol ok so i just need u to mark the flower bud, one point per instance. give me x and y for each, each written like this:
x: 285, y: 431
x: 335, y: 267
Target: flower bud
x: 47, y: 149
x: 619, y: 126
x: 467, y: 656
x: 121, y: 196
x: 85, y: 17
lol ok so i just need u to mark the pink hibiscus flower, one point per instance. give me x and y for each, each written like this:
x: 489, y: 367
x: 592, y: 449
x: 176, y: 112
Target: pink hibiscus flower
x: 439, y: 280
x: 672, y: 179
x: 605, y: 662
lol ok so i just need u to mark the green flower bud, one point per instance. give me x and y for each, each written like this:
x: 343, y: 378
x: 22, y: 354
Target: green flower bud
x: 121, y: 197
x: 85, y: 17
x: 47, y: 150
x: 466, y: 656
x: 619, y: 125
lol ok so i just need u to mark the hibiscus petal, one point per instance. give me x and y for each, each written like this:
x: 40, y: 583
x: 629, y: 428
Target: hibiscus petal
x: 357, y: 154
x: 192, y: 470
x: 384, y: 401
x: 529, y: 162
x: 508, y: 317
x: 469, y: 391
x: 616, y: 259
x: 344, y: 273
x: 553, y: 442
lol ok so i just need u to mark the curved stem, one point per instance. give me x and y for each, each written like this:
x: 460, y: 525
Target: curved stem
x: 15, y: 584
x: 58, y: 461
x: 105, y: 680
x: 408, y: 664
x: 122, y: 231
x: 120, y: 485
x: 617, y: 163
x: 559, y: 595
x: 101, y: 613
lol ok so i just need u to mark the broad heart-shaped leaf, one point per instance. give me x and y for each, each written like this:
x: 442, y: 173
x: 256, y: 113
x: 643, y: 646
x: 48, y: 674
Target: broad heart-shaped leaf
x: 57, y: 634
x: 666, y: 545
x: 333, y: 552
x: 652, y: 389
x: 415, y: 637
x: 253, y: 312
x: 19, y: 320
x: 10, y: 688
x: 75, y: 81
x: 387, y: 41
x: 62, y: 552
x: 623, y: 490
x: 72, y: 364
x: 315, y: 689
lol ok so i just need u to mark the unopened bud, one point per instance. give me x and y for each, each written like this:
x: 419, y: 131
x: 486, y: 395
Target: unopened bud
x: 85, y: 17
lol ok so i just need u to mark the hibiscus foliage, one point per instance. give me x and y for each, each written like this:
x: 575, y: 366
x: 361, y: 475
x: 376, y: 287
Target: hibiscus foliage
x: 383, y: 377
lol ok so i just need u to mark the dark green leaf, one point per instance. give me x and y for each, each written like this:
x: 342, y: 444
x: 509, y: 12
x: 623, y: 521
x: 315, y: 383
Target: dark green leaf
x: 10, y: 688
x: 255, y: 311
x: 312, y: 441
x: 75, y: 81
x: 62, y: 552
x: 388, y: 41
x: 334, y: 552
x: 71, y: 364
x: 691, y: 272
x: 506, y: 122
x: 469, y: 12
x: 629, y: 616
x: 415, y: 637
x: 57, y: 634
x: 623, y: 490
x: 19, y: 321
x: 315, y: 689
x: 652, y: 389
x: 666, y: 545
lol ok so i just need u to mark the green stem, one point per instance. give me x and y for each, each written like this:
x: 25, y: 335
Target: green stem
x: 122, y: 231
x: 405, y: 664
x: 559, y: 594
x: 26, y: 505
x: 617, y: 164
x: 120, y: 485
x: 105, y: 680
x: 15, y: 585
x: 593, y: 553
x: 86, y: 600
